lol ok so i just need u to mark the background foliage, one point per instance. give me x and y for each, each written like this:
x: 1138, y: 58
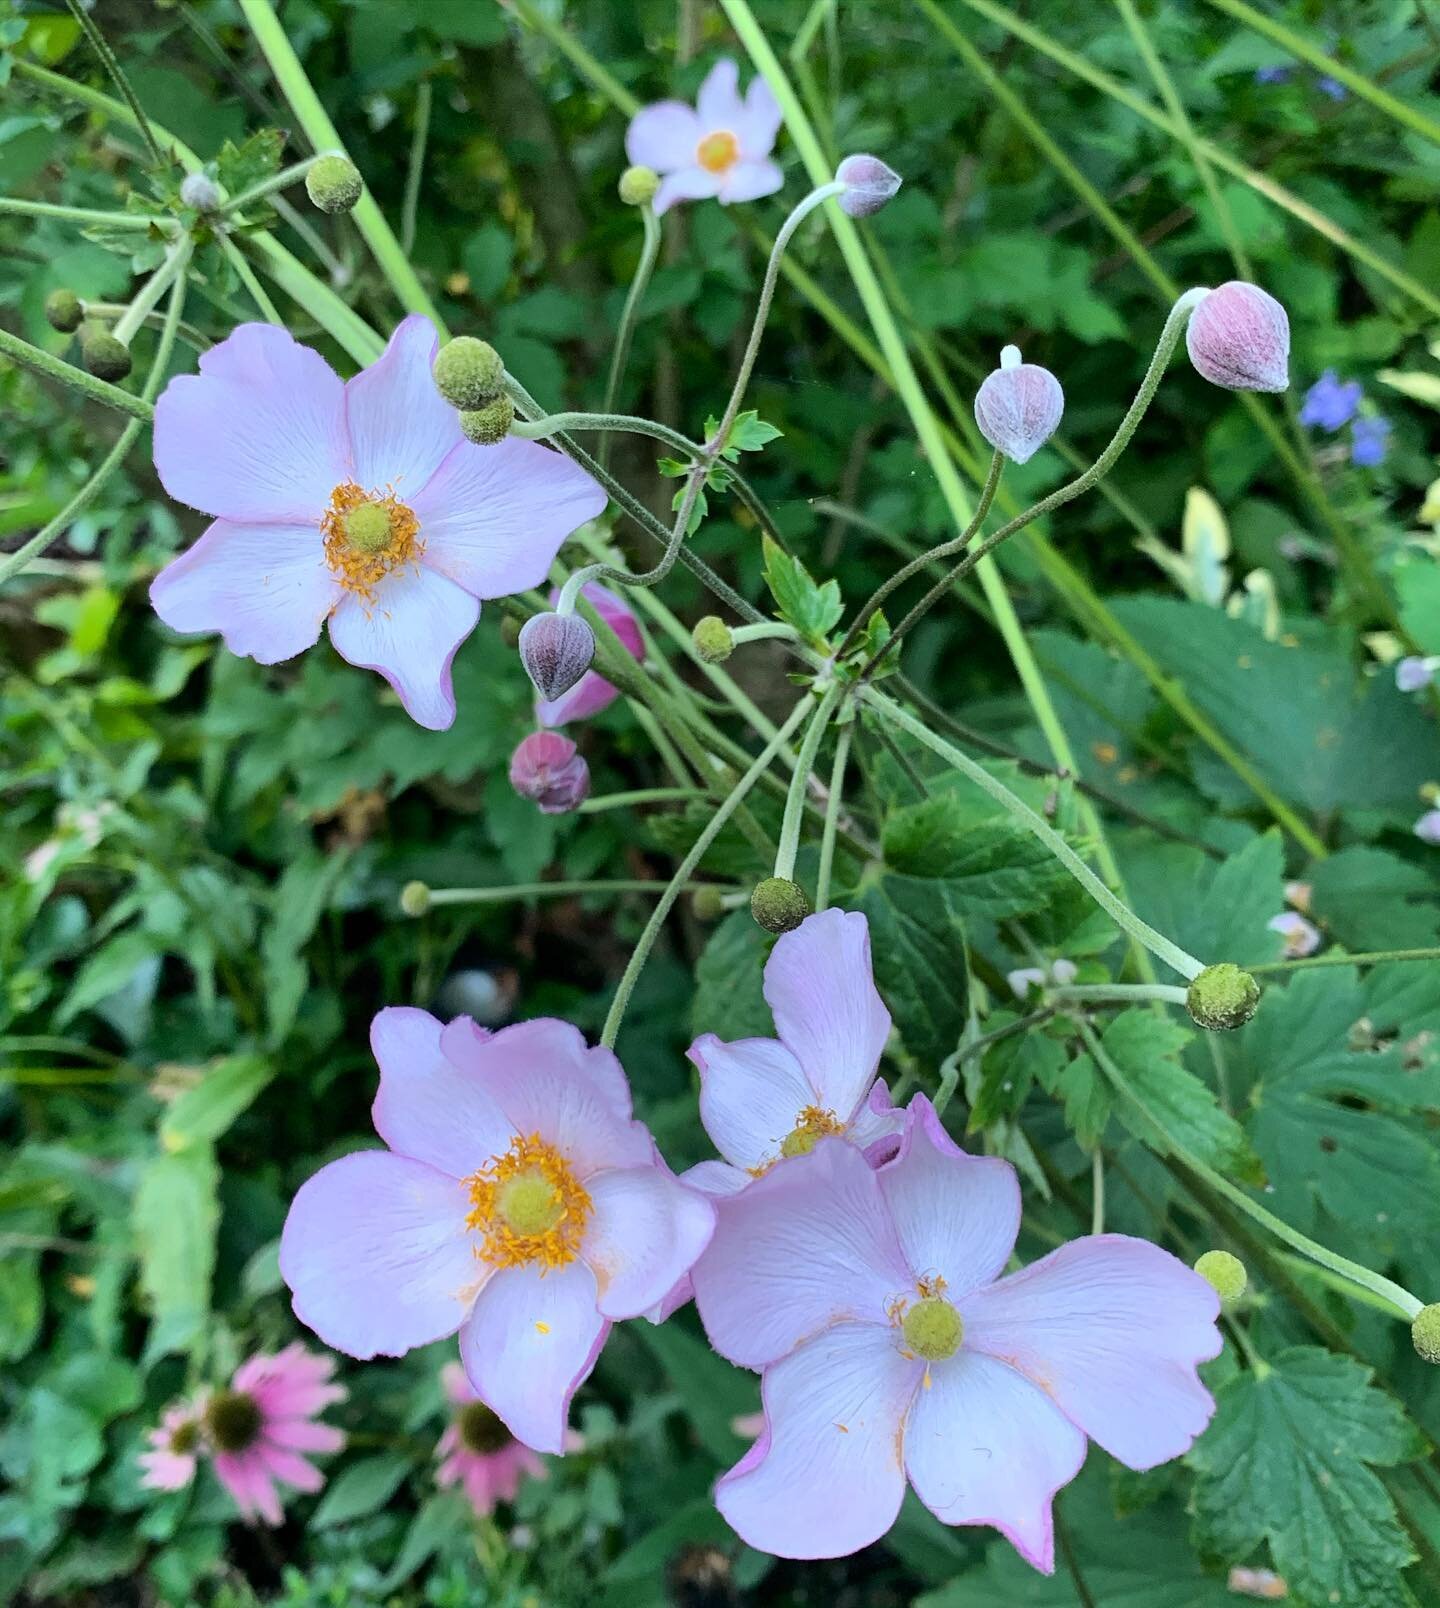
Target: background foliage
x: 201, y: 858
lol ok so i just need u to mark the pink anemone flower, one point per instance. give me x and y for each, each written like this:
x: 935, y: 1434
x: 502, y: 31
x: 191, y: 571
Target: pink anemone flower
x: 519, y: 1203
x: 592, y: 692
x: 258, y: 1428
x: 890, y: 1349
x: 357, y: 502
x: 720, y: 147
x: 175, y: 1444
x: 477, y: 1452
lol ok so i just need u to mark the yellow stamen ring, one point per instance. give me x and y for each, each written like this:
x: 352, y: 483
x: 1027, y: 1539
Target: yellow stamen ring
x: 718, y: 152
x: 811, y: 1125
x: 368, y: 535
x: 529, y: 1206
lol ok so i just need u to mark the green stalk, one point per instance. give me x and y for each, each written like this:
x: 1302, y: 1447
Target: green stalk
x: 112, y: 220
x: 152, y: 290
x: 277, y: 181
x: 833, y: 800
x: 108, y: 61
x: 250, y: 281
x: 321, y: 133
x: 1336, y: 957
x: 1114, y: 993
x: 553, y: 890
x: 55, y: 368
x: 410, y: 205
x: 649, y: 250
x: 799, y: 782
x: 539, y: 21
x: 641, y: 795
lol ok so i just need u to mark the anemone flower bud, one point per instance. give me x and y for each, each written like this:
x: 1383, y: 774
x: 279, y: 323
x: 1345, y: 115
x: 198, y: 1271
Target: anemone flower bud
x: 1222, y: 997
x: 870, y: 184
x: 1239, y: 337
x: 556, y: 650
x: 102, y: 354
x: 714, y: 640
x: 1018, y: 407
x: 488, y: 426
x: 414, y: 899
x: 638, y: 186
x: 200, y: 191
x: 334, y: 184
x: 1225, y: 1274
x: 468, y: 372
x: 547, y: 769
x: 64, y: 311
x: 779, y: 904
x: 1425, y: 1332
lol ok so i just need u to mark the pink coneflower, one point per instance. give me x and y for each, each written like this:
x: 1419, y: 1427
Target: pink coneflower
x: 174, y: 1446
x: 477, y: 1451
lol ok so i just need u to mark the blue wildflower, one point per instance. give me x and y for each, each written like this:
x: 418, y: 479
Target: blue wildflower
x: 1331, y: 87
x: 1369, y: 441
x: 1331, y: 402
x: 1272, y: 75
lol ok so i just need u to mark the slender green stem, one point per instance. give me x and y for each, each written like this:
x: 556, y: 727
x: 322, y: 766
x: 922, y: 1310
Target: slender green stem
x: 555, y: 890
x: 108, y: 61
x: 660, y: 738
x: 1097, y: 1191
x: 641, y: 795
x: 250, y: 281
x: 833, y: 801
x: 410, y: 205
x: 111, y: 220
x: 188, y: 333
x: 649, y: 250
x: 153, y: 289
x: 321, y: 133
x: 1102, y: 993
x: 539, y: 21
x: 1400, y: 1299
x: 767, y: 630
x: 1336, y: 957
x: 800, y: 781
x: 711, y: 831
x: 277, y: 181
x: 1158, y: 945
x: 55, y: 368
x: 552, y: 424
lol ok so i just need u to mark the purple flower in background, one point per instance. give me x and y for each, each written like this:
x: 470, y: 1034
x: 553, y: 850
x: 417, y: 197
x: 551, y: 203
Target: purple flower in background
x: 1331, y: 402
x: 1369, y: 441
x: 1427, y: 828
x: 1412, y: 673
x: 1273, y: 75
x: 1331, y: 87
x: 1298, y: 936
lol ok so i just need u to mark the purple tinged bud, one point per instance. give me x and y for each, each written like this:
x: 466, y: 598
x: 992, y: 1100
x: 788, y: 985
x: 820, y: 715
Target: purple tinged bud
x: 1413, y: 673
x: 547, y: 769
x: 556, y: 650
x: 1427, y: 828
x: 871, y: 184
x: 1239, y: 337
x: 1018, y: 407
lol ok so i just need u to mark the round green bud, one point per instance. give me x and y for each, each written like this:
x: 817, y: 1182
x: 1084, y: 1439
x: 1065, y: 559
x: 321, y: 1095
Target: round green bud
x: 334, y: 184
x: 104, y: 356
x: 1222, y: 997
x: 414, y: 899
x: 64, y: 311
x: 489, y: 425
x: 468, y: 373
x: 714, y: 640
x: 779, y: 904
x: 1425, y: 1332
x: 707, y: 903
x: 638, y: 186
x: 1225, y: 1274
x: 933, y: 1329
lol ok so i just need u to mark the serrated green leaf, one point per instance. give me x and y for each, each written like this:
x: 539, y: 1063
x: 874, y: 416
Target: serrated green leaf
x: 917, y: 939
x: 813, y: 609
x: 729, y: 981
x: 994, y: 869
x: 1011, y: 1068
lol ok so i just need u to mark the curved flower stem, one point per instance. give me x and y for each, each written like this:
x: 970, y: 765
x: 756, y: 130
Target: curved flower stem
x: 558, y: 890
x: 833, y: 802
x: 649, y: 250
x: 250, y: 281
x: 415, y: 168
x: 112, y: 66
x: 800, y: 781
x: 641, y: 795
x: 1158, y: 945
x: 1397, y: 1296
x: 767, y: 630
x: 111, y: 220
x: 153, y: 289
x: 56, y: 368
x: 1114, y: 993
x: 1335, y: 957
x: 641, y: 954
x: 277, y: 181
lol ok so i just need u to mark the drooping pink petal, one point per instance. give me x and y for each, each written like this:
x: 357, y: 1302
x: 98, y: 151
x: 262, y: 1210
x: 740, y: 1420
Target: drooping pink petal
x: 458, y: 1389
x: 957, y: 1215
x: 645, y: 1232
x: 751, y: 1095
x: 877, y: 1126
x: 265, y: 588
x: 529, y: 1344
x: 248, y: 1482
x: 290, y: 1467
x: 760, y: 123
x: 719, y: 103
x: 983, y: 1445
x: 748, y: 181
x: 410, y: 634
x: 427, y: 1107
x: 377, y: 1255
x: 493, y: 518
x: 304, y: 1435
x: 685, y: 184
x: 401, y: 428
x: 826, y: 1478
x: 821, y: 990
x: 663, y: 136
x: 258, y: 435
x: 1111, y: 1328
x: 807, y: 1246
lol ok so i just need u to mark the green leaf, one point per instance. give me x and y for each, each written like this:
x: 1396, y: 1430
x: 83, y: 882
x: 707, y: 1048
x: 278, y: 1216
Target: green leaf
x: 729, y: 981
x: 813, y: 609
x: 1369, y: 899
x: 443, y: 1519
x: 1215, y: 911
x: 361, y: 1489
x: 917, y: 939
x: 993, y: 868
x: 304, y: 894
x: 1288, y: 1459
x: 1011, y: 1068
x: 175, y: 1218
x: 202, y: 1113
x: 238, y: 167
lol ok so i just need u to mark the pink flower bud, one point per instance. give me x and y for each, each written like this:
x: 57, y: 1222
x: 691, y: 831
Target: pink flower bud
x: 547, y: 769
x: 556, y: 650
x: 1018, y: 407
x: 1239, y: 337
x: 871, y: 184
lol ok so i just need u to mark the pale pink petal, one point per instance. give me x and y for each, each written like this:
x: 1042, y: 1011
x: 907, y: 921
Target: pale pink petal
x: 985, y: 1446
x: 493, y: 518
x: 820, y: 987
x: 713, y: 1178
x: 401, y: 428
x: 808, y: 1245
x: 645, y: 1231
x: 1111, y: 1328
x: 529, y: 1345
x: 265, y: 588
x: 826, y: 1478
x: 877, y: 1126
x: 249, y: 1483
x: 410, y: 634
x: 290, y: 1468
x: 760, y: 123
x: 687, y: 184
x: 480, y: 1486
x: 718, y: 103
x: 663, y: 136
x: 560, y: 1043
x: 166, y: 1471
x: 748, y: 181
x: 458, y: 1389
x: 956, y: 1215
x: 258, y: 436
x: 751, y: 1095
x: 427, y: 1107
x: 377, y: 1255
x: 304, y: 1435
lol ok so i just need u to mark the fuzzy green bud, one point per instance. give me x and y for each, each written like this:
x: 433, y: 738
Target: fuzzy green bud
x: 707, y: 903
x: 414, y: 899
x: 714, y: 640
x: 468, y: 373
x: 489, y: 425
x: 638, y: 186
x: 1225, y: 1274
x: 104, y: 356
x: 779, y: 904
x: 334, y: 184
x: 1425, y: 1332
x: 933, y: 1329
x: 64, y: 311
x: 1222, y: 997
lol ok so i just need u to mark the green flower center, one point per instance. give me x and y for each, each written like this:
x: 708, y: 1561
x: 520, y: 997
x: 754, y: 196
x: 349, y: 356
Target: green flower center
x: 233, y: 1419
x: 480, y: 1430
x: 184, y: 1440
x: 367, y: 527
x: 933, y: 1329
x: 529, y: 1204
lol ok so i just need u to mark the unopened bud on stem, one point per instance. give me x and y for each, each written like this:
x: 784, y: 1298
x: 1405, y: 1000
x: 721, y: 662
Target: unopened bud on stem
x: 869, y: 185
x: 334, y: 184
x: 64, y: 311
x: 1018, y: 406
x: 1222, y: 997
x: 488, y: 426
x: 414, y: 899
x: 779, y: 904
x: 556, y: 650
x: 547, y: 769
x: 200, y: 191
x: 1225, y: 1274
x: 1239, y: 337
x: 638, y: 186
x: 104, y: 356
x: 1425, y: 1332
x: 714, y: 640
x: 468, y: 372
